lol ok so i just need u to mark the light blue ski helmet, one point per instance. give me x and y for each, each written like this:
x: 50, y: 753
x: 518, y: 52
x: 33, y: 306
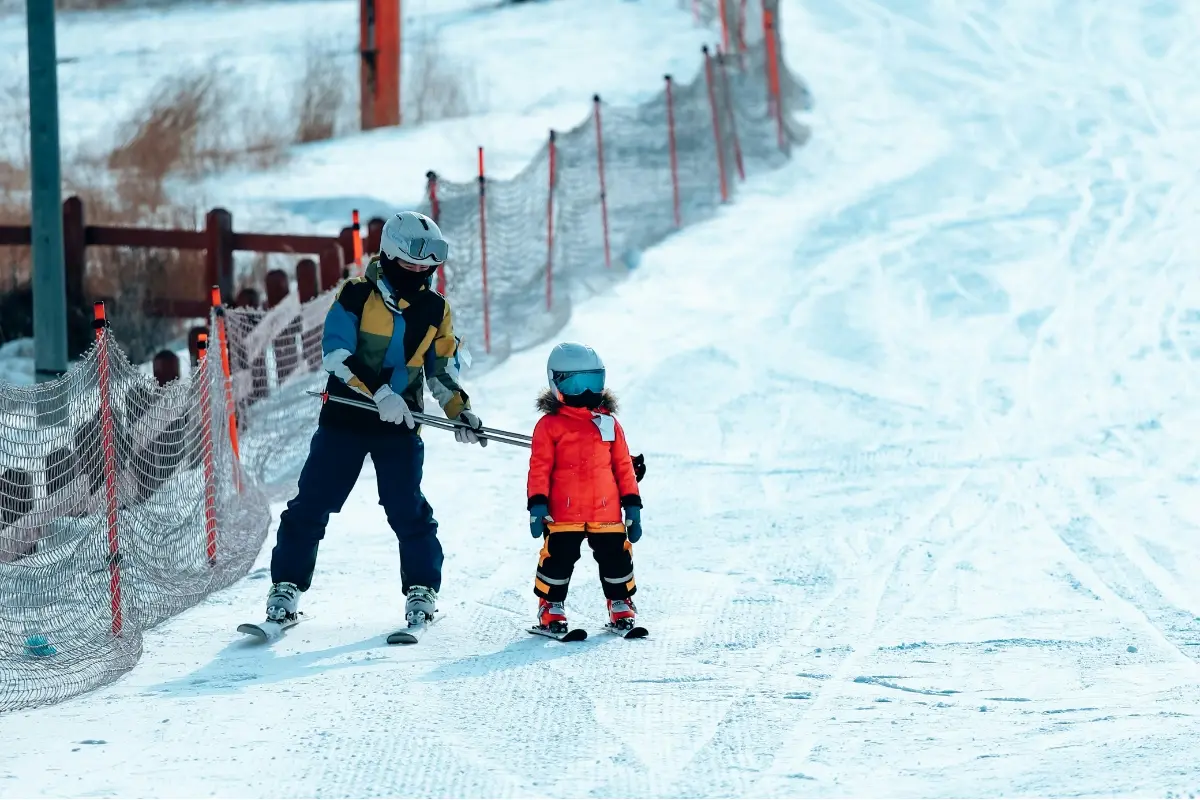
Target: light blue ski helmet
x: 574, y: 369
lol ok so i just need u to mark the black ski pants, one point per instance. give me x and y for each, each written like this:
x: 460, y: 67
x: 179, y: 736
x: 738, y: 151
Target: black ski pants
x: 560, y: 551
x: 335, y: 459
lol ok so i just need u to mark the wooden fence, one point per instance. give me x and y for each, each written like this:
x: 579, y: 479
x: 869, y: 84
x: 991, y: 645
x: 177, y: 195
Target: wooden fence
x: 219, y: 241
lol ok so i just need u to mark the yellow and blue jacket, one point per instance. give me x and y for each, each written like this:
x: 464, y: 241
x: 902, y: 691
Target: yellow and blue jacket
x: 373, y: 338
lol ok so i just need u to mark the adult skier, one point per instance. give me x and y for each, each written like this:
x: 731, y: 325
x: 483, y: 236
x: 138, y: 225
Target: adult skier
x: 385, y: 335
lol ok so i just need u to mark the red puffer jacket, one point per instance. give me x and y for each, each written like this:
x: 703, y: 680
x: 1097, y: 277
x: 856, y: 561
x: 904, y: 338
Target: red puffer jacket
x: 582, y: 478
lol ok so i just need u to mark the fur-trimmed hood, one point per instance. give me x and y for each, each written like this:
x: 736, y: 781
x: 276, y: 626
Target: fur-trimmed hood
x: 547, y: 403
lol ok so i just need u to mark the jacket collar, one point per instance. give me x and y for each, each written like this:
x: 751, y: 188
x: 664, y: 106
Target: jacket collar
x: 374, y: 274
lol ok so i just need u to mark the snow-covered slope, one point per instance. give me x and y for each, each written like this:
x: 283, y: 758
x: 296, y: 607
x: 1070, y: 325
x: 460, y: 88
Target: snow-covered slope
x: 921, y: 505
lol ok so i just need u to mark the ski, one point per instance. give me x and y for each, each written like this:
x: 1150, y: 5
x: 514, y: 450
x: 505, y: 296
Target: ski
x: 636, y: 632
x: 268, y: 629
x: 412, y: 633
x: 573, y: 635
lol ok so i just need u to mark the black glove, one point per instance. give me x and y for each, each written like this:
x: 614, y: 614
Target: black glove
x: 639, y: 467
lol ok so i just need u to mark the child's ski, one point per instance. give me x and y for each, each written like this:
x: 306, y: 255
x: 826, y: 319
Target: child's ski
x: 411, y: 634
x: 636, y: 632
x: 268, y: 630
x: 573, y: 635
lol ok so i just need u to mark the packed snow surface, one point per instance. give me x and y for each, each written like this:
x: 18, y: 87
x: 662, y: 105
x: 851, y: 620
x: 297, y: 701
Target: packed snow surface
x: 921, y: 510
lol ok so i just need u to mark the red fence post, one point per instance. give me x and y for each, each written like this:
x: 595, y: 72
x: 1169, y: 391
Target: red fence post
x: 766, y: 21
x: 206, y: 442
x: 723, y: 59
x: 741, y: 35
x: 674, y: 154
x: 108, y: 452
x: 487, y: 323
x: 435, y: 212
x: 550, y: 227
x: 712, y: 100
x: 696, y: 11
x: 774, y: 101
x: 223, y: 348
x: 723, y: 11
x: 603, y: 188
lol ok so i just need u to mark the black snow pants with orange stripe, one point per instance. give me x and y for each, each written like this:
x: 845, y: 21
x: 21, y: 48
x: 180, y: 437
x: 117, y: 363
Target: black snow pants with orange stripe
x: 560, y: 551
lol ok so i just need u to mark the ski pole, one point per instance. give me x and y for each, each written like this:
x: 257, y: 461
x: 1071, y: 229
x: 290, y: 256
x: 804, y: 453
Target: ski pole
x: 491, y: 434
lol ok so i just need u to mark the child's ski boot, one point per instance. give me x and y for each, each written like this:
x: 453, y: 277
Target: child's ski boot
x: 622, y: 619
x: 552, y: 616
x: 552, y: 622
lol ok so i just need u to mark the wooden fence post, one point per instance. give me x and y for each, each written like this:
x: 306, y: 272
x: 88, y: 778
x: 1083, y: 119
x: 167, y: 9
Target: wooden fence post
x: 284, y: 345
x: 218, y: 229
x: 74, y: 248
x: 331, y: 267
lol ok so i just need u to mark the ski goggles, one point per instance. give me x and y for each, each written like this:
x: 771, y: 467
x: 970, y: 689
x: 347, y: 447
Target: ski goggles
x: 433, y: 248
x: 572, y: 383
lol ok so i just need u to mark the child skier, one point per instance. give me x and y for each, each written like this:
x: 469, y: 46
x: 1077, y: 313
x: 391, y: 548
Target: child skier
x: 581, y: 478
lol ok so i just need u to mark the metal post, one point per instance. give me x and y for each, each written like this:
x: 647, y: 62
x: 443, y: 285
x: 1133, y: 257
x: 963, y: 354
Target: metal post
x: 49, y: 273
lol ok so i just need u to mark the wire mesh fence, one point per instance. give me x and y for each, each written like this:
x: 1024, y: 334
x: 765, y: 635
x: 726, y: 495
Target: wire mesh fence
x: 120, y: 505
x: 567, y: 226
x: 124, y: 500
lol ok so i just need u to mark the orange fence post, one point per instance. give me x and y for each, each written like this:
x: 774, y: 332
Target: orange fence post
x: 487, y: 323
x: 223, y: 347
x: 356, y: 236
x: 206, y: 440
x: 108, y: 452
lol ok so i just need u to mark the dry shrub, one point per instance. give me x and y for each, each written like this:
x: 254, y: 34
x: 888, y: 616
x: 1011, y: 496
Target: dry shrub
x: 192, y: 123
x: 437, y: 86
x: 320, y: 96
x: 165, y: 136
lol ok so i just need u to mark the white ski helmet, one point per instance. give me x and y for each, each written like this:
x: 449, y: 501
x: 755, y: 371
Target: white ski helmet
x: 413, y: 238
x: 574, y: 369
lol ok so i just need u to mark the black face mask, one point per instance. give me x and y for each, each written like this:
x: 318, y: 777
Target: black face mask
x: 404, y: 282
x: 585, y: 399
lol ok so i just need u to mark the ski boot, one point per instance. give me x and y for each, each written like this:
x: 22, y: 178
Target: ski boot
x: 282, y: 602
x: 552, y: 617
x: 420, y: 606
x: 622, y: 615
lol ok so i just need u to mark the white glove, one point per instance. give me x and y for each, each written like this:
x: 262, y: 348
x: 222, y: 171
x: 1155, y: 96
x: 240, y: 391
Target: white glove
x: 392, y: 408
x: 469, y: 435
